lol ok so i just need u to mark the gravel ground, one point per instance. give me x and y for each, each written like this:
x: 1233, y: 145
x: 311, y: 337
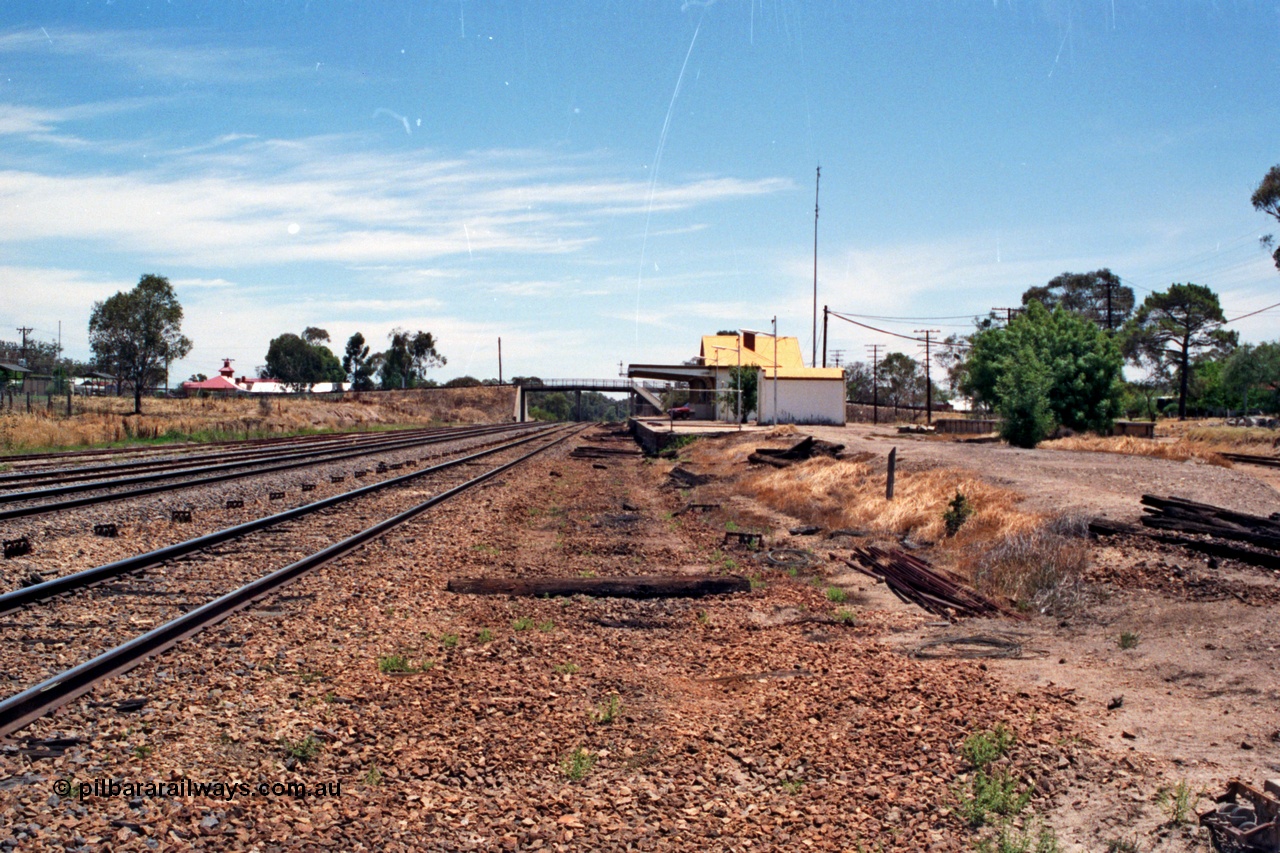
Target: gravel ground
x: 762, y: 721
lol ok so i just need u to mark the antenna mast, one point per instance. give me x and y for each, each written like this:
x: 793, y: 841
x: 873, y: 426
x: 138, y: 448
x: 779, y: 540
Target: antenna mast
x: 813, y: 357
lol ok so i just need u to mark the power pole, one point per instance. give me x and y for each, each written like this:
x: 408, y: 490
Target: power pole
x: 25, y: 330
x: 813, y: 357
x: 928, y: 380
x: 1009, y: 313
x: 1110, y: 326
x: 825, y: 320
x: 499, y: 360
x: 875, y: 381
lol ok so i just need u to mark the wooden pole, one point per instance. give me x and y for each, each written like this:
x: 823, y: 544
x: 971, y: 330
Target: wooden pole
x: 893, y: 463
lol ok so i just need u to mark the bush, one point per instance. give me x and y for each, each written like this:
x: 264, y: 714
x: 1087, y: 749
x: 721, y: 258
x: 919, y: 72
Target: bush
x: 1041, y: 568
x: 958, y: 513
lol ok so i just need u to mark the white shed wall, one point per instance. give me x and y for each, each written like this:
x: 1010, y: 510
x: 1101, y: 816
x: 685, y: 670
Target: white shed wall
x: 803, y: 401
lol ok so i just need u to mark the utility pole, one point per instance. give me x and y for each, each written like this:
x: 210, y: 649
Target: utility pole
x: 499, y: 360
x: 928, y: 381
x: 825, y: 320
x: 25, y: 330
x: 813, y: 357
x: 875, y: 381
x: 1110, y: 325
x: 1009, y: 313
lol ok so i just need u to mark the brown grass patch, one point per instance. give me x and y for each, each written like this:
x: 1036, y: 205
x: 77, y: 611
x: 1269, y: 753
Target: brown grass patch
x: 1025, y: 557
x: 1178, y: 450
x: 848, y: 493
x: 109, y: 420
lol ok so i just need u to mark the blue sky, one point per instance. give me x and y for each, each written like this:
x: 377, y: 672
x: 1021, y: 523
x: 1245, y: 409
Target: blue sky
x: 599, y: 182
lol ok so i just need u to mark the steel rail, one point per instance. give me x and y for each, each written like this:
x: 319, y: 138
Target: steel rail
x: 89, y: 472
x: 23, y: 708
x: 135, y: 450
x: 18, y: 598
x: 317, y: 459
x: 365, y: 447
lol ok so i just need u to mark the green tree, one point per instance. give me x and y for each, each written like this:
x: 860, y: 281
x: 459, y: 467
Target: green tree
x: 135, y: 334
x: 1082, y: 361
x: 407, y: 360
x: 1172, y: 327
x: 1252, y: 372
x: 1023, y: 389
x: 298, y: 363
x: 357, y: 365
x: 1098, y: 296
x: 901, y: 380
x: 745, y: 380
x: 1266, y: 198
x: 858, y: 382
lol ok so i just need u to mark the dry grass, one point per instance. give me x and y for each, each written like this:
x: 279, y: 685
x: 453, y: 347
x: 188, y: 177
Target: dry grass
x: 1028, y: 558
x: 850, y: 494
x: 1041, y: 568
x: 1178, y: 449
x: 108, y: 420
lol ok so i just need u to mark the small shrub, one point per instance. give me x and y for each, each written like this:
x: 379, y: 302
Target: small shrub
x: 1178, y: 802
x: 449, y: 641
x: 836, y: 594
x: 1039, y: 568
x: 394, y: 663
x: 1128, y: 640
x: 792, y: 786
x: 373, y: 778
x: 957, y: 514
x: 524, y: 623
x: 607, y: 711
x: 577, y: 764
x: 999, y: 793
x: 485, y: 636
x: 982, y: 748
x: 303, y: 750
x: 566, y: 668
x: 1036, y: 838
x: 546, y: 626
x: 847, y: 617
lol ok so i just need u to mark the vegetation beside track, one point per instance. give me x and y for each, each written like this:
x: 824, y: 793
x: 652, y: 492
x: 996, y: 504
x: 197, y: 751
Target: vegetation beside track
x: 108, y: 422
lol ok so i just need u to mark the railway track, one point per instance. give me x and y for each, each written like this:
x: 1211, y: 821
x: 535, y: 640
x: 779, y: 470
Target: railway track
x: 185, y: 589
x: 42, y: 501
x: 25, y: 479
x: 1251, y: 459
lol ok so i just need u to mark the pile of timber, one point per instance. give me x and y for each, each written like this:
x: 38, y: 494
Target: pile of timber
x: 649, y: 586
x: 1187, y: 516
x: 1178, y: 519
x: 916, y: 582
x: 806, y: 448
x: 585, y: 452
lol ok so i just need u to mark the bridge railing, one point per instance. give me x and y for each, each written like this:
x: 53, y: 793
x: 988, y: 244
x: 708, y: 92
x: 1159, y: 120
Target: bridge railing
x: 619, y: 384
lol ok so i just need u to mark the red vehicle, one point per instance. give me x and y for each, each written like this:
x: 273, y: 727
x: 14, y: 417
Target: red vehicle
x: 680, y: 413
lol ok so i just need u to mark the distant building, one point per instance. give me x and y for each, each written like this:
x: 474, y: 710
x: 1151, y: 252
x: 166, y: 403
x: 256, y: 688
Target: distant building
x: 226, y: 383
x: 803, y: 395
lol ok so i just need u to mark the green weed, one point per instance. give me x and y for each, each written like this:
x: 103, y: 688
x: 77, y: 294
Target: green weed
x: 303, y: 750
x: 1178, y: 802
x: 485, y: 636
x: 546, y: 626
x: 1128, y: 640
x: 524, y: 623
x: 999, y: 793
x: 607, y: 711
x: 566, y: 668
x: 847, y: 617
x: 373, y: 778
x: 577, y: 764
x: 394, y: 663
x: 449, y: 641
x: 836, y: 594
x: 982, y: 748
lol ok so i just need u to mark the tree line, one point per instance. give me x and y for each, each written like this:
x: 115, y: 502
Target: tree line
x: 1058, y: 361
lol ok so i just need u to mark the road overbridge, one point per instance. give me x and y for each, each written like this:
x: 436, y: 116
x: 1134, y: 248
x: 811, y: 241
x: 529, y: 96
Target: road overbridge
x: 641, y: 394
